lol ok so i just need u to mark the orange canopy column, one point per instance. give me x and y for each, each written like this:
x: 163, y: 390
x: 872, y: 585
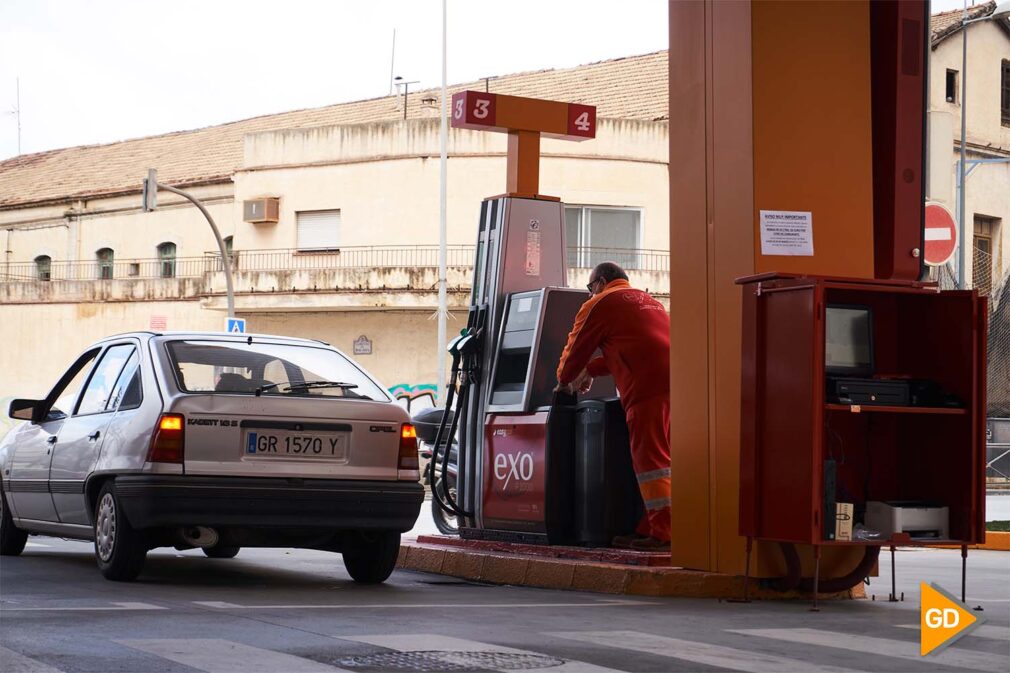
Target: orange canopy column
x: 770, y: 109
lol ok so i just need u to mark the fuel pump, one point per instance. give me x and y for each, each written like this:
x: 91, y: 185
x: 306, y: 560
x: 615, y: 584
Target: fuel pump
x: 518, y: 467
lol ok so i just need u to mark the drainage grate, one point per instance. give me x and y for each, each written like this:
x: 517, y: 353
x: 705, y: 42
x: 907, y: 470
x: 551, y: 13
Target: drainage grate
x: 459, y: 662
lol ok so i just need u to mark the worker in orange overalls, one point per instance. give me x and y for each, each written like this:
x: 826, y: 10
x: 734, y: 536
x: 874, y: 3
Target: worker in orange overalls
x: 633, y: 331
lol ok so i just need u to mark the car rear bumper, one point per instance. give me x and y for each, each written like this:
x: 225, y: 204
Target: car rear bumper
x: 150, y: 501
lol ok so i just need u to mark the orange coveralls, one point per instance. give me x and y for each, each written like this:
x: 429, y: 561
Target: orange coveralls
x: 633, y: 331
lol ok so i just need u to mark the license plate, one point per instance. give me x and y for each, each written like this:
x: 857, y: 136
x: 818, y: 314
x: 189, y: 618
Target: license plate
x: 280, y: 444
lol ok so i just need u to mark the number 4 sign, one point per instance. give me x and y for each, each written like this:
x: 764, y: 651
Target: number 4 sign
x: 581, y: 120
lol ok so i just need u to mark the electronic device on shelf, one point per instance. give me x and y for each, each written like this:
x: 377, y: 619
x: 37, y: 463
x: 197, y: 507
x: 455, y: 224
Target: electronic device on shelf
x: 850, y: 366
x: 920, y: 520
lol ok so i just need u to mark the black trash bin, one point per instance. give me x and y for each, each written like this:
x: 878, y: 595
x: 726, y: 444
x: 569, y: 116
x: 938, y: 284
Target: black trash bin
x: 607, y: 499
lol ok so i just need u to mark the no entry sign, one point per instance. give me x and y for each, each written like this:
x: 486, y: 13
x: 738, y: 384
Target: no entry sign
x: 941, y: 235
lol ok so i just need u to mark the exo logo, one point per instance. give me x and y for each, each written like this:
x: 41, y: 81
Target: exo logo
x: 509, y: 466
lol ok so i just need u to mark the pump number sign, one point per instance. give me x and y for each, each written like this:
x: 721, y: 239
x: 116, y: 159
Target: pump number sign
x: 483, y: 111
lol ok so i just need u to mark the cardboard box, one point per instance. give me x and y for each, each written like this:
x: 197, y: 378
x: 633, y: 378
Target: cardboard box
x: 843, y: 521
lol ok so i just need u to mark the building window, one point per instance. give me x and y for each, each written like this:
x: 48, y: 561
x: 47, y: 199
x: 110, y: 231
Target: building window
x: 598, y: 234
x: 106, y: 259
x: 166, y: 259
x: 952, y: 86
x: 318, y: 230
x: 43, y: 267
x: 1004, y: 105
x: 986, y: 259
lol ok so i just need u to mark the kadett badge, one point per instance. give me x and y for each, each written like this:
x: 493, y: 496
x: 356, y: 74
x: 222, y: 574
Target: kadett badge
x: 942, y: 619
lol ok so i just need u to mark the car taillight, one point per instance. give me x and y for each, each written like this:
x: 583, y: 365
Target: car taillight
x: 407, y: 464
x: 168, y: 444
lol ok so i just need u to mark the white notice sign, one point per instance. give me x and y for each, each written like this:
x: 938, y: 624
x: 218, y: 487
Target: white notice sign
x: 787, y: 232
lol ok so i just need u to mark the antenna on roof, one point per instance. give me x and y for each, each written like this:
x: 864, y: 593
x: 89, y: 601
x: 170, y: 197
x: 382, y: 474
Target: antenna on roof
x: 16, y: 111
x: 392, y: 63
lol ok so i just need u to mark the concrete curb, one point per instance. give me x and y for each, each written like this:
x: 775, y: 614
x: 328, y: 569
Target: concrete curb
x: 582, y: 575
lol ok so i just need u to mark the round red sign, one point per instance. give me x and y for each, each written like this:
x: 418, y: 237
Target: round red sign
x: 941, y: 235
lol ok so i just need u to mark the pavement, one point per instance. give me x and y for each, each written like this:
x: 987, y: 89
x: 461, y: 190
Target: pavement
x: 273, y: 610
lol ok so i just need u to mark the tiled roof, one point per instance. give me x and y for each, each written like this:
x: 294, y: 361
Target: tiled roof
x: 945, y: 24
x: 634, y: 87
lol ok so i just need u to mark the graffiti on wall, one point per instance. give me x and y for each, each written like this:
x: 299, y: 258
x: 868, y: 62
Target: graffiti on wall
x: 414, y: 396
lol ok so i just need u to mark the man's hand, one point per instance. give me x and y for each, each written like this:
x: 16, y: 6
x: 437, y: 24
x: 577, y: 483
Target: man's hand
x: 583, y: 382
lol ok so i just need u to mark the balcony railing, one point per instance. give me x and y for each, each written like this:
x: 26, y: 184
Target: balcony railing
x: 244, y: 261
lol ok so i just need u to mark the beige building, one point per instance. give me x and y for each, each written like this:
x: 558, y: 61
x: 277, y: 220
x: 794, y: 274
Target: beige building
x: 987, y: 187
x: 349, y: 257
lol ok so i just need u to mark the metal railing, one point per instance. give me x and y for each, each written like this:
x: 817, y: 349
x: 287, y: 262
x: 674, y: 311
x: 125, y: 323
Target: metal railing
x: 364, y: 257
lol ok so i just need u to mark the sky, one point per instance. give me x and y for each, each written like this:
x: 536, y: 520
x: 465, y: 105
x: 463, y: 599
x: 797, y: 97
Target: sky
x: 99, y: 71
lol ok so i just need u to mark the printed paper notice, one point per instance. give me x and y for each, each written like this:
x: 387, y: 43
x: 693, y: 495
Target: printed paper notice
x: 786, y: 232
x: 532, y: 253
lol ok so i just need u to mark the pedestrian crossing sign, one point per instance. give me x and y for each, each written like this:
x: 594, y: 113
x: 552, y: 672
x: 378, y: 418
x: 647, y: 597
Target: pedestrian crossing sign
x: 234, y: 325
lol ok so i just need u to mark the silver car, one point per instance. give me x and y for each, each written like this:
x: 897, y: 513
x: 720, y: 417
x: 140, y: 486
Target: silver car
x: 213, y: 441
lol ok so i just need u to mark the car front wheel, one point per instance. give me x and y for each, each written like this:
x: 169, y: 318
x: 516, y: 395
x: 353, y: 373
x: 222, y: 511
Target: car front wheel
x: 119, y: 549
x: 12, y: 538
x: 371, y: 557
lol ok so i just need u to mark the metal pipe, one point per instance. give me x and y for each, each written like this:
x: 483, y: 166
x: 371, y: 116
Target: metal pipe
x: 962, y: 260
x: 442, y: 235
x: 225, y: 259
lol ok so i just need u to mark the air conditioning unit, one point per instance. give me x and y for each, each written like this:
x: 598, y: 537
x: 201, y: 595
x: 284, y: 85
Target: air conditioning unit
x: 262, y: 211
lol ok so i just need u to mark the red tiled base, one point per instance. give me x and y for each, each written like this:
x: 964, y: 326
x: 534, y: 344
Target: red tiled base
x: 599, y: 554
x: 502, y: 563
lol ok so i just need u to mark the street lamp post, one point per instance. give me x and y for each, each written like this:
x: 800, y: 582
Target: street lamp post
x: 151, y: 187
x: 1001, y: 11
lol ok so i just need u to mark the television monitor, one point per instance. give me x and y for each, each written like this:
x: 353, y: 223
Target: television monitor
x: 848, y: 340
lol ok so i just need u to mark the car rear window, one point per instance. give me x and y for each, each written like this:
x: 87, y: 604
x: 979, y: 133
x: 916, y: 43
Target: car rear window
x: 208, y: 366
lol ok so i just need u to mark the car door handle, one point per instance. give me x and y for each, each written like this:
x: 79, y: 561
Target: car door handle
x: 95, y: 435
x: 51, y: 439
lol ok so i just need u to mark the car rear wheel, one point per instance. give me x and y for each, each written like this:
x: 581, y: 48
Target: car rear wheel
x: 371, y: 557
x: 221, y: 551
x: 12, y: 538
x: 119, y: 549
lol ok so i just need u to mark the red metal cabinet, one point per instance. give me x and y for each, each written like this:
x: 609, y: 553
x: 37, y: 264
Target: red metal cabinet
x: 882, y: 453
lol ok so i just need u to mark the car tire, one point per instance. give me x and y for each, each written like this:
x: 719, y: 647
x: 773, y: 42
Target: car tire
x: 12, y: 538
x: 371, y: 557
x: 221, y: 551
x: 445, y: 522
x: 120, y: 549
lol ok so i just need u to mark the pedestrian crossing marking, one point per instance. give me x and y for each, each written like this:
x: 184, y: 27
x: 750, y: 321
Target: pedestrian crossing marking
x: 987, y: 631
x: 954, y: 656
x: 13, y: 662
x: 214, y: 655
x: 114, y: 607
x: 699, y: 653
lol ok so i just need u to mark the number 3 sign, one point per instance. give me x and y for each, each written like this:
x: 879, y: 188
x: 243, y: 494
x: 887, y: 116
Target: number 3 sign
x: 470, y: 108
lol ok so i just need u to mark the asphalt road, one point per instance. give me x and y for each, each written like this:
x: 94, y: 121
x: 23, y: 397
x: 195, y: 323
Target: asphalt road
x: 296, y: 610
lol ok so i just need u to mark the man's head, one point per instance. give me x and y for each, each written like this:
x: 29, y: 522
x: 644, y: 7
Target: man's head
x: 603, y: 274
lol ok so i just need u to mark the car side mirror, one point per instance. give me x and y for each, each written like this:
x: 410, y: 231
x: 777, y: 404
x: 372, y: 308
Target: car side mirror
x: 23, y: 410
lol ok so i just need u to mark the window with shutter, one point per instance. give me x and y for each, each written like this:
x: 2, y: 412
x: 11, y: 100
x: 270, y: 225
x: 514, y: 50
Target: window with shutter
x: 318, y: 229
x: 1005, y: 93
x: 601, y: 234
